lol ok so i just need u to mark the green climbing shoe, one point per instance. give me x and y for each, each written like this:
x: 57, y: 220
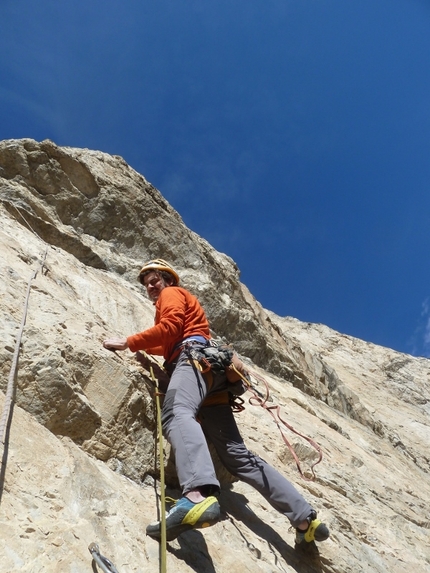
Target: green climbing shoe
x: 185, y: 515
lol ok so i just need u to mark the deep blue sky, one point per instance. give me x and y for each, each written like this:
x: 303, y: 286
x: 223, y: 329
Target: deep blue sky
x: 293, y: 135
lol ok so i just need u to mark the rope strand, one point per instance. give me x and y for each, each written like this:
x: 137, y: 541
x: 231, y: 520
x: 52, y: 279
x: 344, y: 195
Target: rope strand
x: 274, y: 411
x: 12, y: 375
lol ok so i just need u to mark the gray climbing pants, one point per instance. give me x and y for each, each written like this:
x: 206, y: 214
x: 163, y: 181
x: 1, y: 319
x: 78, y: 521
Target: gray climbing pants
x: 187, y: 436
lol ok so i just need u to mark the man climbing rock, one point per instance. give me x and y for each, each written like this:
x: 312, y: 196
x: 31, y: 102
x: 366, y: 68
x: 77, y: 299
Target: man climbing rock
x: 180, y: 329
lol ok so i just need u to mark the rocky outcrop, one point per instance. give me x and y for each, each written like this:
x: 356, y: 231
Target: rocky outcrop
x: 80, y: 457
x: 98, y: 209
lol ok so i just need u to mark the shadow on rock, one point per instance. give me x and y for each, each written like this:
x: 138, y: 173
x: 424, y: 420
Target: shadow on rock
x: 193, y: 551
x: 193, y: 548
x: 303, y: 559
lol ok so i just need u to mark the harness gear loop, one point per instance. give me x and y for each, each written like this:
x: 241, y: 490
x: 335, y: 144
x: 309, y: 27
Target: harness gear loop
x: 244, y: 379
x: 104, y: 563
x: 207, y: 366
x: 236, y: 403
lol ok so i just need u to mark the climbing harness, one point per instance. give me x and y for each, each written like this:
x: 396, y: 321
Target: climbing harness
x: 105, y: 565
x: 220, y: 359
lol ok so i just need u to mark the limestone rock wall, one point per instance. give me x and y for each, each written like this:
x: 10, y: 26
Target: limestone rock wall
x: 80, y: 457
x: 105, y: 214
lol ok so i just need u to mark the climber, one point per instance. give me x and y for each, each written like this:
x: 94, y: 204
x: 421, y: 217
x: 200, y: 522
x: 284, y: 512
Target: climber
x: 181, y: 325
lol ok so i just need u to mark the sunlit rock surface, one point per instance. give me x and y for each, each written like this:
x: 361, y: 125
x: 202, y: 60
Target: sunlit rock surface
x: 81, y: 452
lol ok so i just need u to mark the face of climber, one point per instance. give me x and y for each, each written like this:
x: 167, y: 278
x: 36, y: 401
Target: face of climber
x: 154, y: 284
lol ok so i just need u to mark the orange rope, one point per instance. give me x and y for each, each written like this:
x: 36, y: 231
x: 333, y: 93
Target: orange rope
x: 274, y: 411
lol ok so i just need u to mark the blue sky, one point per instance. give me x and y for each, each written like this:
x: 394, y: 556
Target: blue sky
x: 292, y: 135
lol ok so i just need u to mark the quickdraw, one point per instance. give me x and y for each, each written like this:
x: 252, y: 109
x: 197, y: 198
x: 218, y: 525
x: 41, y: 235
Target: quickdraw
x: 105, y: 565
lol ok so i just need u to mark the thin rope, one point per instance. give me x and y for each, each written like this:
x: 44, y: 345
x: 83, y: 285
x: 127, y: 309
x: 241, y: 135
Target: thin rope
x: 23, y: 218
x: 10, y: 392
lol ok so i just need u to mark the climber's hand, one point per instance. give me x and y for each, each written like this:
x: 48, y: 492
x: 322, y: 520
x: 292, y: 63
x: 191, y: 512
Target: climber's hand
x: 116, y: 343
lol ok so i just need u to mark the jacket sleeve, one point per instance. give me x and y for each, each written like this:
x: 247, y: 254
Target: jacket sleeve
x: 157, y: 350
x: 168, y: 328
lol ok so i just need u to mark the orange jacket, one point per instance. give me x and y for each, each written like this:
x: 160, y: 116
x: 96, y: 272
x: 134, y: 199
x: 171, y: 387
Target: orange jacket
x: 178, y: 314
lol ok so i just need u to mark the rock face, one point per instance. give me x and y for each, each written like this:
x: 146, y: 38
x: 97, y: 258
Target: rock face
x: 79, y: 462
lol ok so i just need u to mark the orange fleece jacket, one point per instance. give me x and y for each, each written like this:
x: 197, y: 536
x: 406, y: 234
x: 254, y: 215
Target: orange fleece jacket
x: 178, y: 314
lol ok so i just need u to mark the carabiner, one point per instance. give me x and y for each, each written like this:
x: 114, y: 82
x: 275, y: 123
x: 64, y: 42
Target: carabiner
x: 104, y: 563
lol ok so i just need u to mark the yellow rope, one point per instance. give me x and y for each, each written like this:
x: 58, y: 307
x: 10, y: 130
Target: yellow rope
x: 163, y: 544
